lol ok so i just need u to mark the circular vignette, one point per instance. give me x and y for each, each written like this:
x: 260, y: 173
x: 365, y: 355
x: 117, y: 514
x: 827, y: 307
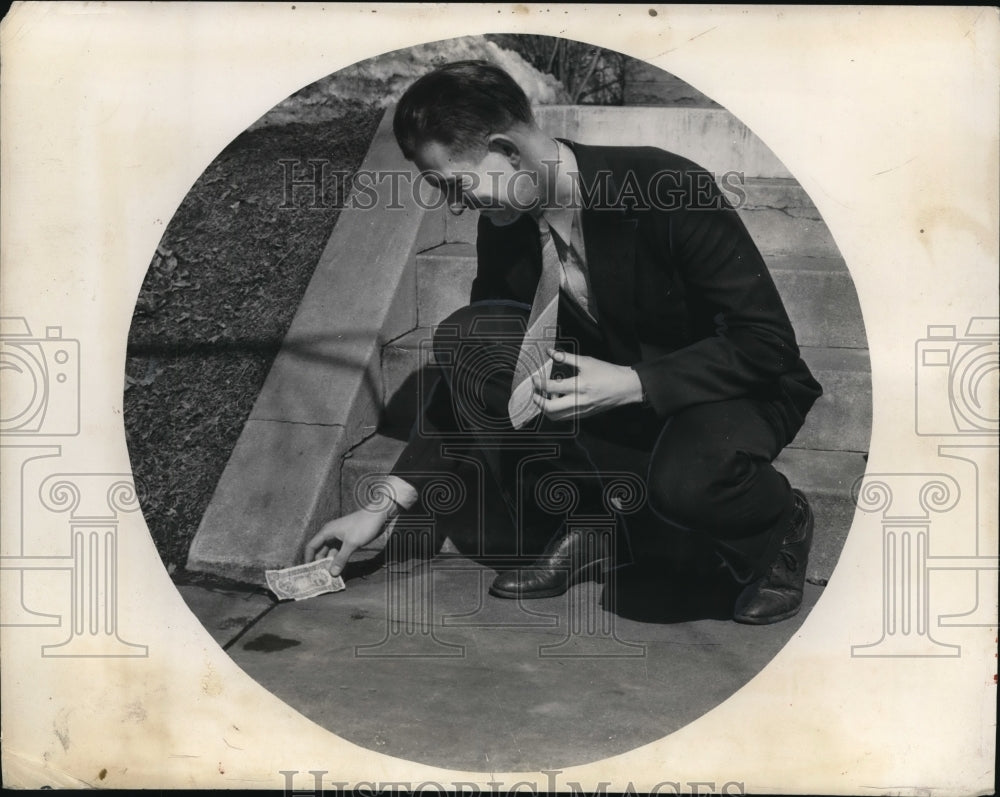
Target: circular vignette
x: 213, y: 314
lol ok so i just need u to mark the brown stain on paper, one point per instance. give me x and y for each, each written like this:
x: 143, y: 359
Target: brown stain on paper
x: 211, y: 683
x: 61, y: 728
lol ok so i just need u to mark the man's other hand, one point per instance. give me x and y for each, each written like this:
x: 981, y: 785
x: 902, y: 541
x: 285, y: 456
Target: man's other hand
x: 597, y: 387
x: 351, y: 531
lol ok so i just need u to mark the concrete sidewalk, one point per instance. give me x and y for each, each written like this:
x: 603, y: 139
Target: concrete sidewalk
x: 417, y: 661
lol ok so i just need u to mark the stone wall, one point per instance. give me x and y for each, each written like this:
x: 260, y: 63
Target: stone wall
x: 646, y: 84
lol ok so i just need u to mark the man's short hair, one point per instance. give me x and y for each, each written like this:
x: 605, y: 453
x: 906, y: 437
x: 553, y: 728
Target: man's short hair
x: 459, y: 105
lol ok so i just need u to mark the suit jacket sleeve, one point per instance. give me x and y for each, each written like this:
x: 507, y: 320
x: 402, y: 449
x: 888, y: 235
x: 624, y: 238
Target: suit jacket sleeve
x: 744, y: 342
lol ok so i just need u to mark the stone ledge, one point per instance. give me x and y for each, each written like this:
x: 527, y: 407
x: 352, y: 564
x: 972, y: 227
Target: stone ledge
x: 712, y: 138
x: 261, y: 515
x: 345, y: 312
x: 323, y: 393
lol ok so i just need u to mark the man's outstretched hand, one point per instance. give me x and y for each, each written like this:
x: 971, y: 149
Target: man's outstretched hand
x: 351, y: 531
x: 597, y: 387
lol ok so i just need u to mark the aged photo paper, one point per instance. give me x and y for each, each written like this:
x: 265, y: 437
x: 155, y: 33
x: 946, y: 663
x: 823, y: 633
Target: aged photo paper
x: 886, y: 116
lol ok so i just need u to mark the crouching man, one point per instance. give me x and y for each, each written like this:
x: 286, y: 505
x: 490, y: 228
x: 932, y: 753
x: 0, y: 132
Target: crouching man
x: 651, y: 337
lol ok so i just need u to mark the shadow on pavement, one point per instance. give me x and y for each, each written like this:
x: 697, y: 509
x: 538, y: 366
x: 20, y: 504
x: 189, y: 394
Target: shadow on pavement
x: 646, y: 596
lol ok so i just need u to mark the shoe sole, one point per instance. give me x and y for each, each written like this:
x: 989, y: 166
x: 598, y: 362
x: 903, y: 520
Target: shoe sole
x: 777, y: 618
x: 576, y: 578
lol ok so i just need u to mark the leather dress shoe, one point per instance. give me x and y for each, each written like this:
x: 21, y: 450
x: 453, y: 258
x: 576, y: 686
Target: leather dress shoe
x: 569, y: 559
x: 777, y: 595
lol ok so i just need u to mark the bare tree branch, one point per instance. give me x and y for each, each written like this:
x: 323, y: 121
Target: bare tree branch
x: 586, y: 77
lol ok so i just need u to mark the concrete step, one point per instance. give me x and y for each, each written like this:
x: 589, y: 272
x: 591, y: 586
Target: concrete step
x: 444, y: 280
x: 818, y: 293
x: 825, y: 477
x: 839, y: 421
x: 406, y: 379
x: 822, y: 303
x: 773, y: 192
x: 782, y: 219
x: 776, y: 231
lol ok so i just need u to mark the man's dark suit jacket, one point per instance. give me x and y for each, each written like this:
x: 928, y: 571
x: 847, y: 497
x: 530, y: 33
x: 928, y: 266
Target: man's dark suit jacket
x: 682, y: 294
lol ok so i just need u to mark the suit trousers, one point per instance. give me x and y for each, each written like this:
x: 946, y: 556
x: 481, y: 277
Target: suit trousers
x: 706, y: 470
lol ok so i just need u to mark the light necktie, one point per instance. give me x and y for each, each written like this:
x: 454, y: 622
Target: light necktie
x: 540, y: 334
x: 574, y: 278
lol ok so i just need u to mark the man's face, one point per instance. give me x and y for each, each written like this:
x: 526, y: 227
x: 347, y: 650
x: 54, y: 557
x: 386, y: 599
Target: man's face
x: 486, y: 180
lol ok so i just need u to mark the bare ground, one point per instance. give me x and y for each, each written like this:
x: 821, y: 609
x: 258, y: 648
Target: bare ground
x: 216, y: 303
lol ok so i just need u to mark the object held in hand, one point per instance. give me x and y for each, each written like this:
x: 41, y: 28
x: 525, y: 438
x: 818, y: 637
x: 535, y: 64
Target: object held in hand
x: 304, y: 581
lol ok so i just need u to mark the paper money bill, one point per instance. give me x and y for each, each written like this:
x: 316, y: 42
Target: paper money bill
x: 303, y: 581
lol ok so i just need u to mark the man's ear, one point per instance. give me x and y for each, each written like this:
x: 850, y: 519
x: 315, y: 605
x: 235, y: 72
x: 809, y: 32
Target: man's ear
x: 504, y: 145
